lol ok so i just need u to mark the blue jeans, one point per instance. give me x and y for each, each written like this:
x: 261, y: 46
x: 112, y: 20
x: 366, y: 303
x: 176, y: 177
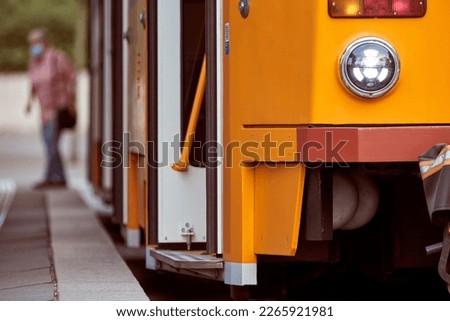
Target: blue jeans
x: 55, y: 170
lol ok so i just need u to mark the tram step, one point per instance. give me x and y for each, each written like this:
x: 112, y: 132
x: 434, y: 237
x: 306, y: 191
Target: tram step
x: 191, y: 260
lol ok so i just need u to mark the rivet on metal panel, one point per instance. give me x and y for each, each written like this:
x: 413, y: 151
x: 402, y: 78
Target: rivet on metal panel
x: 143, y: 19
x: 244, y: 8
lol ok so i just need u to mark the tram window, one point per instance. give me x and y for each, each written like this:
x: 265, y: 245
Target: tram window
x: 193, y: 50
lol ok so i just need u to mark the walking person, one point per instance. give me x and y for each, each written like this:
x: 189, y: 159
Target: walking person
x: 53, y: 83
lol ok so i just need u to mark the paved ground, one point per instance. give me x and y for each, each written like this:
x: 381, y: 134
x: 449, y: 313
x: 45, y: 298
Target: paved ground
x: 87, y: 264
x: 26, y: 265
x: 52, y: 245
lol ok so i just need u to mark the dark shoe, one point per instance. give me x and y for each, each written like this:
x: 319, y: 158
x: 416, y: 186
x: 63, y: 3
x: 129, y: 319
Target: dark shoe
x: 49, y: 184
x: 59, y: 184
x: 42, y: 185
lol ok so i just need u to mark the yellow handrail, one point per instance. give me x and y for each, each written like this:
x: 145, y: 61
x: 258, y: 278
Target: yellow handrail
x: 183, y: 163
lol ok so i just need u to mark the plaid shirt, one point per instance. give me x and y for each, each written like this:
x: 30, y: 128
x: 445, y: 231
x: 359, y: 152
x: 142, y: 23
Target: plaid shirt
x: 53, y: 80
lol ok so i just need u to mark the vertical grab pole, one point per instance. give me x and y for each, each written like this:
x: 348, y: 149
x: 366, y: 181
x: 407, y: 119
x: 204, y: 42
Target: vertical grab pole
x: 183, y: 163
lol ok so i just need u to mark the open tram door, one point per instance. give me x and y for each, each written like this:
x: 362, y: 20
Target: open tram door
x: 96, y: 70
x: 184, y: 221
x: 135, y: 120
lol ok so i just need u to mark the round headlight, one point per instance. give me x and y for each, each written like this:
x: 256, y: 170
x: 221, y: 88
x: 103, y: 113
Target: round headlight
x: 369, y: 67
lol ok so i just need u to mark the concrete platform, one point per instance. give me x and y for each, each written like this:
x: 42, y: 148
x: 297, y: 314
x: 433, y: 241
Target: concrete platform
x: 52, y: 247
x: 26, y: 269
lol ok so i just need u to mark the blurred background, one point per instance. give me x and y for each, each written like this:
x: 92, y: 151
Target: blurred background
x: 65, y: 21
x: 21, y: 147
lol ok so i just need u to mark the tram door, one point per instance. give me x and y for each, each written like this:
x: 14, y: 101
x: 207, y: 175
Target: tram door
x: 181, y: 193
x: 96, y: 21
x: 135, y: 139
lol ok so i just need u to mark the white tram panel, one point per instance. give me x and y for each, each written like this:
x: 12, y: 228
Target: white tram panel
x: 181, y: 195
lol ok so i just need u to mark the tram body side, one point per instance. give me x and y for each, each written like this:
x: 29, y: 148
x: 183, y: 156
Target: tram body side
x: 323, y: 120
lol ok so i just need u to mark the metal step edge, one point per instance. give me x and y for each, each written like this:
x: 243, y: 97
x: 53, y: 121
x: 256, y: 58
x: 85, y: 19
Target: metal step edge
x: 185, y: 260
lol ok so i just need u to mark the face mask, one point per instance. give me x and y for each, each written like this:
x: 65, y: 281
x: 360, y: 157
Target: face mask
x: 36, y: 50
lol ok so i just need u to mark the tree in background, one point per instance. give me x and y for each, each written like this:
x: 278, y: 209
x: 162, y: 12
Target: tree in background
x: 58, y: 17
x: 81, y: 33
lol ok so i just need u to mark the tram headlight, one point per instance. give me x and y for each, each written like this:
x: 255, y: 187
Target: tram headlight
x: 369, y: 67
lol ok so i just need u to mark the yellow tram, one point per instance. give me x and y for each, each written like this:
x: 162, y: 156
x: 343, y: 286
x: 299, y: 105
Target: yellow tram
x: 232, y: 133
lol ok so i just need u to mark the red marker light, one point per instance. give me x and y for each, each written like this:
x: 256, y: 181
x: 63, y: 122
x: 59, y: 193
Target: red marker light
x: 377, y: 8
x: 405, y: 8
